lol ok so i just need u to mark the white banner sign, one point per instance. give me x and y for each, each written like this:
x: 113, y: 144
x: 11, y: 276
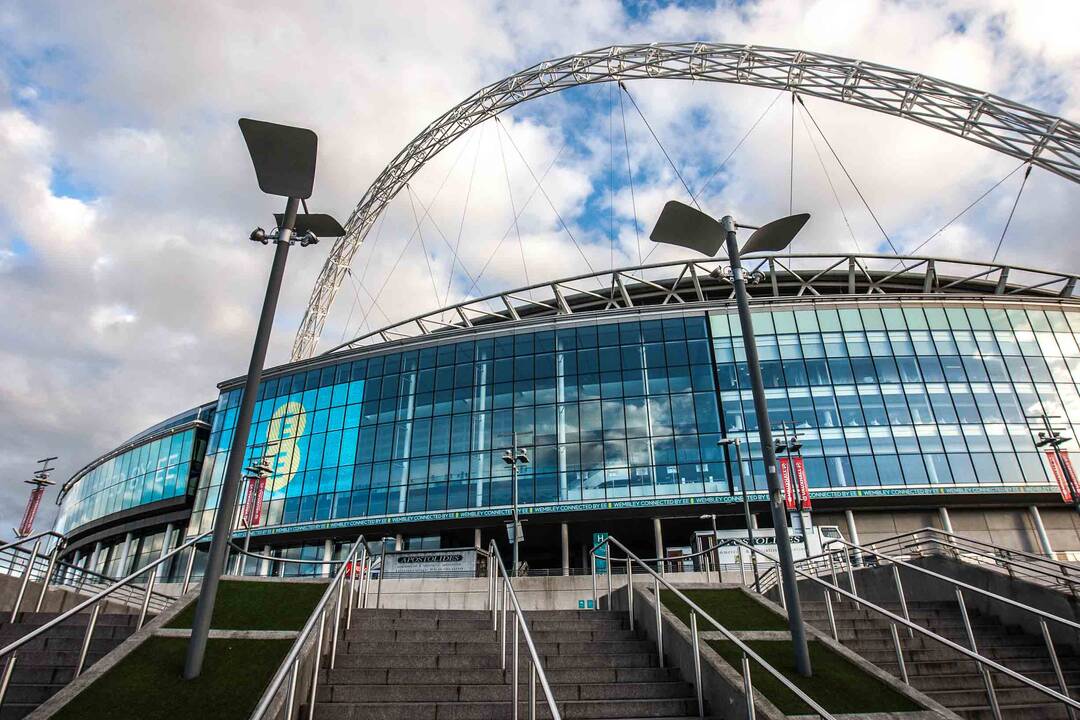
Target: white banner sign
x: 765, y: 541
x: 431, y: 563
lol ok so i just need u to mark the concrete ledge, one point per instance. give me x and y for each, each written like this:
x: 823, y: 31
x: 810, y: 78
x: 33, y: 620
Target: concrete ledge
x: 232, y: 634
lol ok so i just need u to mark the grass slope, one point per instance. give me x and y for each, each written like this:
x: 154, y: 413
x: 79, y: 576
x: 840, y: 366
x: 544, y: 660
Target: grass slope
x: 732, y: 608
x: 148, y: 684
x: 838, y: 685
x: 258, y: 606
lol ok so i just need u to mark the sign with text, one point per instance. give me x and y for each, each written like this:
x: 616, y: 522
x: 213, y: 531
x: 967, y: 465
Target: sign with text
x: 1058, y: 470
x: 796, y: 487
x: 431, y: 563
x: 601, y: 553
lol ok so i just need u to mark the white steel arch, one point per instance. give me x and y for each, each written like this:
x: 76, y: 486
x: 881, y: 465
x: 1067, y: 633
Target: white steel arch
x: 1046, y: 141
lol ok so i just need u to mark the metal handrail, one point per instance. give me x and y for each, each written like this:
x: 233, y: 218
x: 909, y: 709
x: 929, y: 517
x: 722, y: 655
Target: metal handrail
x: 289, y: 670
x: 54, y: 572
x: 497, y: 601
x: 38, y: 536
x: 951, y: 544
x: 985, y: 664
x: 11, y: 649
x: 695, y: 610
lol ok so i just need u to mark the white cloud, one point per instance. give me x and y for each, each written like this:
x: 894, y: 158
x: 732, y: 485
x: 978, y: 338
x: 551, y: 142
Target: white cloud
x: 129, y: 300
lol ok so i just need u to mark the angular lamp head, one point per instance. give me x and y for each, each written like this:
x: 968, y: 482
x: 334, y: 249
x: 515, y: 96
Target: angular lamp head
x: 775, y: 236
x: 687, y: 227
x: 320, y: 224
x: 283, y: 156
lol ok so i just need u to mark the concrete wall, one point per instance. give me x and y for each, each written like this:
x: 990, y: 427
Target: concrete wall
x: 1007, y: 527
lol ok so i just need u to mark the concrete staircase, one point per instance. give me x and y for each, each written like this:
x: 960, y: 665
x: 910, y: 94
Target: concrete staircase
x: 946, y: 675
x: 445, y: 665
x: 47, y: 663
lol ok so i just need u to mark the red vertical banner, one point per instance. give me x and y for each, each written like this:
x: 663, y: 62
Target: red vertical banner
x: 1058, y: 472
x: 786, y: 482
x: 252, y: 509
x: 31, y: 511
x: 803, y: 484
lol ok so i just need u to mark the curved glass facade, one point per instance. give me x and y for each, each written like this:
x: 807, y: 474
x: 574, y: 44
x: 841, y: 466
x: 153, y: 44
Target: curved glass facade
x: 156, y: 470
x: 626, y: 410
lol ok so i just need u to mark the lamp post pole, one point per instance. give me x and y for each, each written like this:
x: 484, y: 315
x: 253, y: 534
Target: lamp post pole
x: 776, y: 497
x: 513, y: 457
x: 200, y: 626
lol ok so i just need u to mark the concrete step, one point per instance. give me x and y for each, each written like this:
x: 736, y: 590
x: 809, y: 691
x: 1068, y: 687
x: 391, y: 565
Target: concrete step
x: 404, y: 676
x: 12, y: 633
x: 481, y: 635
x: 1003, y: 654
x: 1055, y: 711
x: 1005, y: 696
x: 480, y: 661
x: 499, y: 692
x: 960, y: 666
x: 603, y: 647
x: 34, y: 619
x: 31, y: 693
x: 70, y: 644
x: 16, y: 711
x: 974, y: 681
x: 572, y: 710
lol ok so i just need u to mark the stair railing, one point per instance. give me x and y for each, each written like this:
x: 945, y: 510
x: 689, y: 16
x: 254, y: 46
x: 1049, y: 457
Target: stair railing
x: 316, y: 639
x: 985, y: 664
x: 10, y: 554
x: 502, y: 597
x: 748, y: 653
x: 95, y: 603
x: 1017, y: 563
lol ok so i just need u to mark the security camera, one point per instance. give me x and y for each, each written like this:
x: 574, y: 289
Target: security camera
x: 308, y: 238
x: 259, y: 235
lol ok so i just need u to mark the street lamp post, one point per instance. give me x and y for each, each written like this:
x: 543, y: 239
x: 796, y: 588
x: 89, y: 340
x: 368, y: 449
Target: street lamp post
x: 284, y: 160
x: 682, y: 225
x: 513, y: 458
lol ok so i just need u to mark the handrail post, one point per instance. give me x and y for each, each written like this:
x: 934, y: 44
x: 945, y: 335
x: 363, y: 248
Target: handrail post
x: 659, y: 622
x: 608, y: 568
x: 899, y: 653
x: 991, y: 693
x: 146, y: 599
x: 315, y: 663
x: 514, y: 689
x: 86, y: 639
x: 187, y: 572
x: 832, y: 571
x: 697, y: 663
x: 290, y: 696
x: 748, y: 688
x: 1053, y: 661
x: 630, y: 592
x: 9, y: 668
x: 592, y: 560
x: 532, y: 691
x: 382, y: 571
x: 337, y: 623
x: 832, y: 617
x: 25, y: 580
x: 502, y: 600
x: 48, y: 574
x: 903, y: 600
x: 850, y: 574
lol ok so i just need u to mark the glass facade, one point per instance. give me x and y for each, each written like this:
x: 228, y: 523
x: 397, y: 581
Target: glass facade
x: 156, y: 470
x: 886, y: 398
x: 912, y: 396
x: 608, y: 411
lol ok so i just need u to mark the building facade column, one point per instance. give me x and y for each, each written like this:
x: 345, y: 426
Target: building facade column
x: 658, y: 541
x: 946, y: 521
x: 564, y: 535
x: 399, y: 542
x: 92, y: 566
x: 166, y: 546
x: 1040, y: 531
x: 121, y: 569
x: 853, y: 534
x: 327, y: 556
x: 477, y: 538
x: 264, y: 563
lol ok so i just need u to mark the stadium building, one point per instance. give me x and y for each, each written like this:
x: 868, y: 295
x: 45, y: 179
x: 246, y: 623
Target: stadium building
x: 910, y: 382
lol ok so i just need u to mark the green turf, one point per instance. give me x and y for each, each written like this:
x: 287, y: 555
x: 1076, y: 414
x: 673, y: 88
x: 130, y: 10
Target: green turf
x: 258, y: 606
x: 732, y: 608
x: 837, y: 684
x: 148, y: 683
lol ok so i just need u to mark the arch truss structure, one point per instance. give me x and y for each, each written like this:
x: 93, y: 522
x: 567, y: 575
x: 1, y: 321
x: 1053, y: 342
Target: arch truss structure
x: 1022, y: 132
